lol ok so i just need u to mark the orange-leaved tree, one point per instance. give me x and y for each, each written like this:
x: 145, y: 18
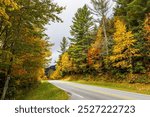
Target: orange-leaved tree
x: 94, y: 51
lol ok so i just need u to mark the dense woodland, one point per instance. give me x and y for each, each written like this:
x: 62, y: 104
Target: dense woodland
x: 105, y: 46
x: 108, y: 47
x: 24, y: 46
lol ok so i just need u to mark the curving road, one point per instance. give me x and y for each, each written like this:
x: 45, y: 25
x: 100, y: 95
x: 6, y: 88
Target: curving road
x: 87, y: 92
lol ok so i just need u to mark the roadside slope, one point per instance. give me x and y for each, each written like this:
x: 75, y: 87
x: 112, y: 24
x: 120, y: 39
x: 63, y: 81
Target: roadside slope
x: 45, y: 91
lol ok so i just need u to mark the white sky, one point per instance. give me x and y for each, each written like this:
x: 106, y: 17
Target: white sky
x: 56, y: 31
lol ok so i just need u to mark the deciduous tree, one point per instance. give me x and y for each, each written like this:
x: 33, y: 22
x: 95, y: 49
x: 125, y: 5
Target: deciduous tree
x: 27, y: 25
x: 95, y: 51
x: 123, y: 49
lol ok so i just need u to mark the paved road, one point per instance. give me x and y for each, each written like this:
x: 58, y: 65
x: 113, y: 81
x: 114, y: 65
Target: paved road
x: 86, y: 92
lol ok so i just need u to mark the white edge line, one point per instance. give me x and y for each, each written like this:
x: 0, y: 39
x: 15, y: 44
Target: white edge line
x: 77, y: 95
x: 71, y: 92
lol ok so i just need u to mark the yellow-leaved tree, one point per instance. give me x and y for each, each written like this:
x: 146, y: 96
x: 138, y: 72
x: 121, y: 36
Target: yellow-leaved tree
x: 57, y: 73
x: 66, y: 62
x: 7, y: 5
x: 123, y: 49
x: 147, y: 39
x: 147, y: 32
x: 64, y: 65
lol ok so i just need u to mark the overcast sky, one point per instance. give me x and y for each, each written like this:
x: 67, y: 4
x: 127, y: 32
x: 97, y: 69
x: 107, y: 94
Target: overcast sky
x: 56, y: 31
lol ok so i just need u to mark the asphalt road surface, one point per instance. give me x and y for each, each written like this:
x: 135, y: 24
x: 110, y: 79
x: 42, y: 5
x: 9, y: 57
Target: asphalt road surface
x: 87, y: 92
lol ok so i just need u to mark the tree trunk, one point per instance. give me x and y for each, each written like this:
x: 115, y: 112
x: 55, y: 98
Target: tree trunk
x: 105, y: 35
x: 5, y: 87
x: 8, y: 76
x: 131, y: 68
x: 105, y: 41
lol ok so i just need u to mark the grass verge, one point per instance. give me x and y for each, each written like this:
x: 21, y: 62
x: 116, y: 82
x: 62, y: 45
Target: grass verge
x: 137, y: 88
x: 45, y: 91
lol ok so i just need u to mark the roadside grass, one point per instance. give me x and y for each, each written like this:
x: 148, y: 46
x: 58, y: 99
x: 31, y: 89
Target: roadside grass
x: 137, y: 88
x: 45, y: 91
x: 102, y: 82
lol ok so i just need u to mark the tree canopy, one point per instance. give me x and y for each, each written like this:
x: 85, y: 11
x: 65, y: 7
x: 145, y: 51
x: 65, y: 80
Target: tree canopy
x: 115, y: 48
x: 24, y: 46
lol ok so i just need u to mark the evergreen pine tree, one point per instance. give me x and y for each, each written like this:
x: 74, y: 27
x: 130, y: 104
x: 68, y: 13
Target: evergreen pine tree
x: 133, y: 12
x: 63, y: 45
x: 101, y: 9
x: 81, y: 37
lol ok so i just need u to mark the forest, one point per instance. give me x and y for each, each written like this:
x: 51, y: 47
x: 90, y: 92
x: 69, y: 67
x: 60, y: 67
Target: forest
x: 24, y: 46
x: 107, y: 46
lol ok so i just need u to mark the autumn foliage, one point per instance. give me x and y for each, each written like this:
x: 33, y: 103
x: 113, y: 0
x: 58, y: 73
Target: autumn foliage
x: 117, y: 48
x: 123, y: 50
x: 64, y: 66
x: 7, y: 5
x: 147, y: 32
x: 94, y: 52
x: 24, y: 45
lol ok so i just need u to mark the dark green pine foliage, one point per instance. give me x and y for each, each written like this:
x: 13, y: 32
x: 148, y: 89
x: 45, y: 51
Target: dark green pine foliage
x: 121, y: 8
x: 63, y: 45
x: 81, y: 38
x: 134, y: 13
